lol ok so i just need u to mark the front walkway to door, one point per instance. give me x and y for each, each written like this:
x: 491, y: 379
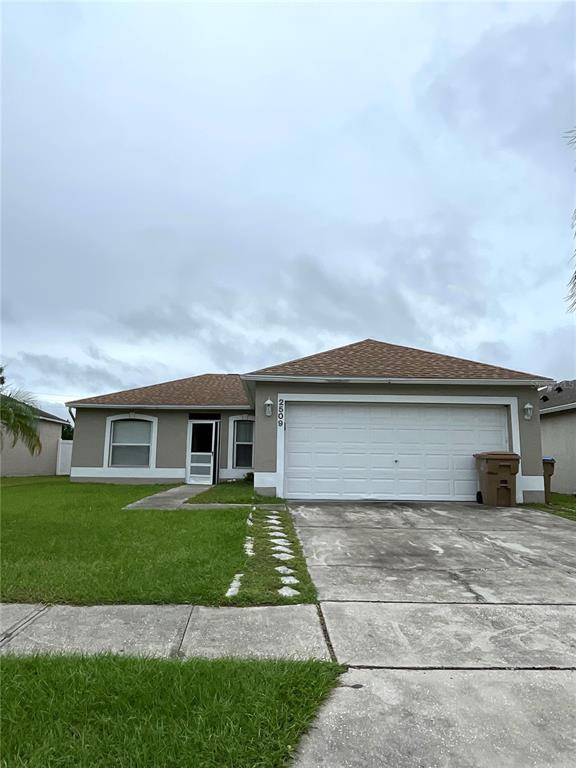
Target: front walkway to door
x: 171, y: 499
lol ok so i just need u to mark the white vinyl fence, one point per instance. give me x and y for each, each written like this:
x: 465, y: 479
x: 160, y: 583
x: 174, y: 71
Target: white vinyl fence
x: 64, y: 457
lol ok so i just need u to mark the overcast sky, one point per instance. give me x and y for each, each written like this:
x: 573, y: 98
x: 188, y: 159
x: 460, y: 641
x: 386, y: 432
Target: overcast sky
x: 196, y: 188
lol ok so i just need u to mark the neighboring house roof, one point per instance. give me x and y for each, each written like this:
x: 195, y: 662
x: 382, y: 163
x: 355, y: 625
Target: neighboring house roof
x: 378, y: 360
x: 45, y: 416
x: 209, y: 389
x: 560, y: 396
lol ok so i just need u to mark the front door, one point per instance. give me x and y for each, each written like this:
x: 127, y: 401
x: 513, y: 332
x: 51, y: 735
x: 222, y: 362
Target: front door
x: 202, y: 454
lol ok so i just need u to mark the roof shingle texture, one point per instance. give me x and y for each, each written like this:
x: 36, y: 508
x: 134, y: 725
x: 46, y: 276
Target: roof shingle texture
x: 210, y: 389
x: 377, y: 359
x: 567, y: 395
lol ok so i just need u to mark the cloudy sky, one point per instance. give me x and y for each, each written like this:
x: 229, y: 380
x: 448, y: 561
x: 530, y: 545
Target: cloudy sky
x: 194, y: 188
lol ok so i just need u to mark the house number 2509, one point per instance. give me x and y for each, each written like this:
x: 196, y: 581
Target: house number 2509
x: 280, y: 413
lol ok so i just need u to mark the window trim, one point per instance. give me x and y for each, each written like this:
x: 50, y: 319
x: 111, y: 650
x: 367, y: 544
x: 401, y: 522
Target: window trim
x: 108, y: 440
x: 232, y: 441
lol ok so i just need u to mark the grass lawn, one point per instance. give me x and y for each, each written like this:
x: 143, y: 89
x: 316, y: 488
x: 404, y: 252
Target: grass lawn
x: 81, y: 712
x: 261, y: 581
x: 66, y: 542
x: 234, y: 492
x: 562, y: 504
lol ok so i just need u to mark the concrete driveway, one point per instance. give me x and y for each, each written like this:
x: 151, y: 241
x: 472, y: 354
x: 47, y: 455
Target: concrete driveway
x: 458, y: 625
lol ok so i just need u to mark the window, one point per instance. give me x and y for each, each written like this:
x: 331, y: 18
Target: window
x: 243, y: 443
x: 130, y: 443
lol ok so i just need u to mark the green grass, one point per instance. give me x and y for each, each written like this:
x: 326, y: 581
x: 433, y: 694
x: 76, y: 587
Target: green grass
x: 562, y: 504
x: 81, y: 712
x: 234, y: 492
x: 66, y: 542
x: 261, y: 581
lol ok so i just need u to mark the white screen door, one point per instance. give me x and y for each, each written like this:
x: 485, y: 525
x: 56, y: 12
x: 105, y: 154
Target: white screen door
x: 203, y: 443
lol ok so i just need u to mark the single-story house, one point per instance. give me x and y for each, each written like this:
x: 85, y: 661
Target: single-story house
x: 558, y: 424
x: 368, y: 420
x: 16, y: 460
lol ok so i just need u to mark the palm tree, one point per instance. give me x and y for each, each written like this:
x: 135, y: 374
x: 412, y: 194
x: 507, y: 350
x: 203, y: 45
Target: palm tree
x: 18, y: 417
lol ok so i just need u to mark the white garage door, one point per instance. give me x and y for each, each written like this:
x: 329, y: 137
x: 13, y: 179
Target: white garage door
x: 388, y: 451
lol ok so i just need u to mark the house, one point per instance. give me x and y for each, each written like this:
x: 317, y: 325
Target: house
x: 368, y: 420
x: 17, y: 459
x: 558, y: 424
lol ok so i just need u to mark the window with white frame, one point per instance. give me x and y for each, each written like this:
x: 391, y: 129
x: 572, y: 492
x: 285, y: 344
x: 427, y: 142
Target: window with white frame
x: 130, y: 443
x: 243, y: 444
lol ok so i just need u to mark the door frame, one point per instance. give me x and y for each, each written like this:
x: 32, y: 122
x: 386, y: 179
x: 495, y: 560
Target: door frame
x: 215, y: 448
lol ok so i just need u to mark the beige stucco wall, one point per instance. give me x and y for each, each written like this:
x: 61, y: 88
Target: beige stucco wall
x: 265, y: 428
x: 224, y: 434
x: 90, y: 430
x: 559, y: 441
x: 17, y: 460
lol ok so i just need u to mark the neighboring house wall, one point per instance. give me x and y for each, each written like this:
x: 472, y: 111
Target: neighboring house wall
x: 17, y: 460
x: 171, y: 451
x: 559, y: 441
x: 530, y: 481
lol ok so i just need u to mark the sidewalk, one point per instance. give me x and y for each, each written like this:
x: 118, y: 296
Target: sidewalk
x: 180, y: 631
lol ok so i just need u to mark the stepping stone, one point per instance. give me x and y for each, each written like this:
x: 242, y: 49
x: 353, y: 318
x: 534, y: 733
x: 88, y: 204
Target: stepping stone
x: 288, y: 592
x: 284, y: 569
x: 289, y: 580
x: 280, y: 548
x: 274, y: 524
x: 282, y: 556
x: 279, y: 534
x: 249, y: 546
x: 280, y: 541
x: 234, y: 587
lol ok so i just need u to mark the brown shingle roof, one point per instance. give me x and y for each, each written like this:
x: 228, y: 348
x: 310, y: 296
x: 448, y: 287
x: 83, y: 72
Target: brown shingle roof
x: 49, y: 416
x: 210, y: 389
x: 560, y: 393
x: 377, y: 359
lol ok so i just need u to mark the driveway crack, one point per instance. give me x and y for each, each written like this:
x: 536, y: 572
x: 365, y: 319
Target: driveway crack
x: 459, y: 579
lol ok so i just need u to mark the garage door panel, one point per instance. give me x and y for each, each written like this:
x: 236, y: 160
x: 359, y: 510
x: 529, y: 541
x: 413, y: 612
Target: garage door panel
x: 388, y: 451
x: 410, y: 461
x: 435, y: 461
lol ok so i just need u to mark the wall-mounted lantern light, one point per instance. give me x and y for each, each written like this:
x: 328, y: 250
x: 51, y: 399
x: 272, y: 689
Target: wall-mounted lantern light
x: 528, y: 411
x: 268, y: 406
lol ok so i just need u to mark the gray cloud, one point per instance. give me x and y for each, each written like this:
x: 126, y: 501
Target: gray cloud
x: 197, y: 197
x: 484, y: 91
x: 47, y: 372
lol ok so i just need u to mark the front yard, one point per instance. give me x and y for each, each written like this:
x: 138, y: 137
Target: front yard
x: 143, y: 713
x: 66, y: 542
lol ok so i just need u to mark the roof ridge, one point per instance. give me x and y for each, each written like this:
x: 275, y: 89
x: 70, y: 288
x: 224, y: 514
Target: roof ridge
x: 315, y: 354
x: 389, y: 345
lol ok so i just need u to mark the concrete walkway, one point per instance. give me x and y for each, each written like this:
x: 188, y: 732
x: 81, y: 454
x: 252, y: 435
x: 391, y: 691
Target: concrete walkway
x: 181, y: 631
x: 175, y: 498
